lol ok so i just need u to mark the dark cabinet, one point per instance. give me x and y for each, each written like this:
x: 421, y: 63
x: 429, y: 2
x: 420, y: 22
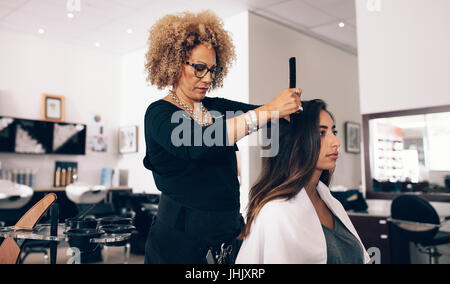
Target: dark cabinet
x: 374, y: 233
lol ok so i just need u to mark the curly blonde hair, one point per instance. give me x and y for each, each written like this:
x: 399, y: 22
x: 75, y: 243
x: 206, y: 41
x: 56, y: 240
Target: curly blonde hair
x: 172, y: 39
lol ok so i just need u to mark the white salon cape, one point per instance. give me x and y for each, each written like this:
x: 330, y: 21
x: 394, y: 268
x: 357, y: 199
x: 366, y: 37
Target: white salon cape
x: 290, y: 232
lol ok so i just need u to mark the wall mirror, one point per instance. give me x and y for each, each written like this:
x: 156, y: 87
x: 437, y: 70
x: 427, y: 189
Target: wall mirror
x: 408, y: 152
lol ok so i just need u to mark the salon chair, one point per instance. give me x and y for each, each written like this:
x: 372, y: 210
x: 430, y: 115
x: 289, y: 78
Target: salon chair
x: 15, y: 196
x: 84, y: 196
x: 417, y: 221
x: 146, y: 208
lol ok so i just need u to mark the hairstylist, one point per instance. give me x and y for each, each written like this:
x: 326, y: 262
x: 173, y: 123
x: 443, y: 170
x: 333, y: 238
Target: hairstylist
x: 198, y: 218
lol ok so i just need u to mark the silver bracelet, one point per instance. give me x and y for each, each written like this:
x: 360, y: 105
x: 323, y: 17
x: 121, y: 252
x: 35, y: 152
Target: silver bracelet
x: 254, y: 121
x: 248, y: 120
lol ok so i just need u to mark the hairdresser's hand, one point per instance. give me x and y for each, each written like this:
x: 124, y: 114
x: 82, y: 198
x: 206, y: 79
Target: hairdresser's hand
x: 286, y: 103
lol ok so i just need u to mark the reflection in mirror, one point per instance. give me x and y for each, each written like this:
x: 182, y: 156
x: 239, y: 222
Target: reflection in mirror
x: 410, y: 153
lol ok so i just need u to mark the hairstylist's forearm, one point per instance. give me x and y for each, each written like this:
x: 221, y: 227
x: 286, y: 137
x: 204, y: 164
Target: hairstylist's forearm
x: 237, y: 127
x: 284, y: 104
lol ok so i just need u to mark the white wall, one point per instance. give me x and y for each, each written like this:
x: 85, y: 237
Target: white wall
x: 404, y: 55
x: 323, y: 72
x: 136, y: 96
x: 89, y: 80
x: 404, y: 63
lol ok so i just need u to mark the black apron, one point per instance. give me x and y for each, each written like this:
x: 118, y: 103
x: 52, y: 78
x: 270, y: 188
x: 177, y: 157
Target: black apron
x: 183, y: 235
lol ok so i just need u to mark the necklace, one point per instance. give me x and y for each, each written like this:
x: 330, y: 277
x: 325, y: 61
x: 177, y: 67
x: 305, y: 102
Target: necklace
x: 191, y: 111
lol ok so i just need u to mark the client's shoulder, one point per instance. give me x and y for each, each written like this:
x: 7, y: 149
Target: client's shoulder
x: 275, y: 208
x: 282, y: 208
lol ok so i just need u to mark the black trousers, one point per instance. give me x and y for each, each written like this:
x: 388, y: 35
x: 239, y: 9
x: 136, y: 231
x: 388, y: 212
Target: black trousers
x: 182, y: 235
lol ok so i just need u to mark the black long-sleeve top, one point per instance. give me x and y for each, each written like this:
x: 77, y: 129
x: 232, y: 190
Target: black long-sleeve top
x: 198, y: 175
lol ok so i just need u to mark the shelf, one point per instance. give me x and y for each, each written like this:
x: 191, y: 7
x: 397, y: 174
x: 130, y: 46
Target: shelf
x: 59, y: 189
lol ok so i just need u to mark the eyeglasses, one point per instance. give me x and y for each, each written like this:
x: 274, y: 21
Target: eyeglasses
x: 201, y: 69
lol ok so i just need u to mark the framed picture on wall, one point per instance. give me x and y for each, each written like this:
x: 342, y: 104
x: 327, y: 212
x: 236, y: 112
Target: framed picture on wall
x: 352, y: 137
x: 53, y: 108
x: 128, y: 139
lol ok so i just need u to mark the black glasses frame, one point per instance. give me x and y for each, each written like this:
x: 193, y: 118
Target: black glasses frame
x: 214, y: 71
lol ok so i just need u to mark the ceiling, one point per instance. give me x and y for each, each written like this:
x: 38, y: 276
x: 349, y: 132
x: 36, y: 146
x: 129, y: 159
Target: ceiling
x: 121, y: 26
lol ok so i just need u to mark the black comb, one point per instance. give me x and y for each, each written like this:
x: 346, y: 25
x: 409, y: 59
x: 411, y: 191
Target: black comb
x: 292, y: 73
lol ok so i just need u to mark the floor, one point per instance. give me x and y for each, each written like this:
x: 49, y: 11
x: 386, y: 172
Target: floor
x: 110, y: 255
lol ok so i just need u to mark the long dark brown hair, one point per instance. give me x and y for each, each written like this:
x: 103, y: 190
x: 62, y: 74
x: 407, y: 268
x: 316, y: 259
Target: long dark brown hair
x: 285, y: 174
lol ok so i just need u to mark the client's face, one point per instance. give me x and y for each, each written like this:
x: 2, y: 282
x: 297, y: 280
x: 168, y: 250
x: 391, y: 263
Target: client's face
x: 190, y: 85
x: 329, y: 142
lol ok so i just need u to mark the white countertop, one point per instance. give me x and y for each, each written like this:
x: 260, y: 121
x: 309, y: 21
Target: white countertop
x: 382, y: 208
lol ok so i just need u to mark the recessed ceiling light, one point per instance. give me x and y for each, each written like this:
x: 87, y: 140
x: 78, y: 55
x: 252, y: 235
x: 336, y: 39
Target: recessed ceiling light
x: 70, y: 15
x: 130, y: 31
x: 41, y: 31
x: 341, y: 24
x: 97, y: 44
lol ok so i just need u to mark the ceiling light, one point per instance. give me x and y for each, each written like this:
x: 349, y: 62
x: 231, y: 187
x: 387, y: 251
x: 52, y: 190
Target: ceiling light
x: 130, y: 31
x: 41, y: 31
x: 70, y: 15
x: 97, y: 44
x: 341, y: 24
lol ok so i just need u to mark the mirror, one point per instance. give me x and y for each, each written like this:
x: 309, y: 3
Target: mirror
x: 408, y: 152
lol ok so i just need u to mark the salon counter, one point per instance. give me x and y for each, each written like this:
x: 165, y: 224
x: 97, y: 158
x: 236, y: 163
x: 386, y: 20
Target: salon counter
x: 375, y: 230
x: 382, y: 209
x: 373, y: 227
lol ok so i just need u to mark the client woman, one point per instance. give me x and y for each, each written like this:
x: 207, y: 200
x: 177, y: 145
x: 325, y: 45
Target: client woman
x: 292, y: 216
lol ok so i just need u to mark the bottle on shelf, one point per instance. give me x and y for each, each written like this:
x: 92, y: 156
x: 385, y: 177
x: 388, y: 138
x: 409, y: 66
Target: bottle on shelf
x: 69, y: 176
x: 15, y: 176
x: 115, y: 178
x: 27, y: 177
x: 58, y: 177
x: 74, y: 175
x: 33, y: 178
x: 63, y: 177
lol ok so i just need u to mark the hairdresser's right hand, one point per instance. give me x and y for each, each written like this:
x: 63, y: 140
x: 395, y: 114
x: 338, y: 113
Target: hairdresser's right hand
x: 286, y: 103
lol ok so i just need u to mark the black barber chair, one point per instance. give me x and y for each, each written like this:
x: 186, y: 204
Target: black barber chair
x: 418, y: 222
x: 146, y: 208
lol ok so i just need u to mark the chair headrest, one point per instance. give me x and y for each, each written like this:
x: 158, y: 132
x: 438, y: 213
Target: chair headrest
x: 415, y: 209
